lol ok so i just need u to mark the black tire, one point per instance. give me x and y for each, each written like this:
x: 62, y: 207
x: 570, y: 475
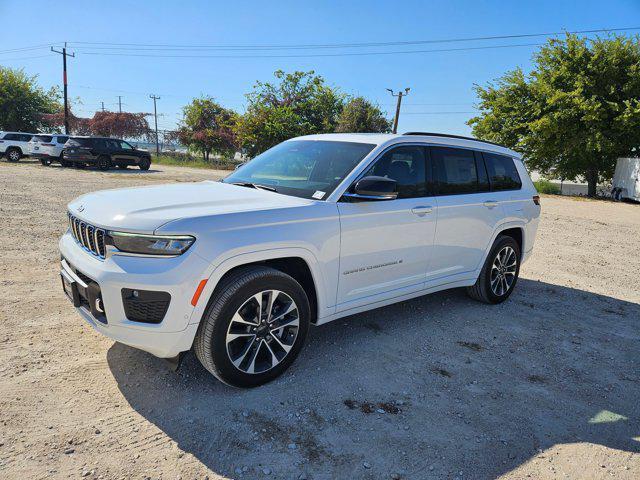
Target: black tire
x: 145, y: 164
x: 13, y: 154
x: 231, y: 294
x: 482, y: 290
x: 104, y: 163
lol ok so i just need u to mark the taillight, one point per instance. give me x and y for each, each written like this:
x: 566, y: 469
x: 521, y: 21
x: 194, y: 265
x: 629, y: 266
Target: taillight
x: 536, y: 199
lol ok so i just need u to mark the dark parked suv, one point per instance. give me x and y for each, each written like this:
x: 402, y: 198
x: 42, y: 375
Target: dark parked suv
x: 103, y: 153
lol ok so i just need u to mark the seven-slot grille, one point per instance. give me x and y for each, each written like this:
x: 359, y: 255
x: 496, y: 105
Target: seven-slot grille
x: 90, y: 237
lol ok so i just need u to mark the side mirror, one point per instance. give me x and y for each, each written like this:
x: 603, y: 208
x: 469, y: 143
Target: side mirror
x: 373, y: 188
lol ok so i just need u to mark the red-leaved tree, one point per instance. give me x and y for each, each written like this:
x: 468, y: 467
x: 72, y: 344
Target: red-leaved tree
x: 105, y: 124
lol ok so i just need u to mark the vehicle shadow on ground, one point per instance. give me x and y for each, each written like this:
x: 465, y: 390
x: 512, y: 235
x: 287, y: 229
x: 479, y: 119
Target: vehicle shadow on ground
x: 439, y: 386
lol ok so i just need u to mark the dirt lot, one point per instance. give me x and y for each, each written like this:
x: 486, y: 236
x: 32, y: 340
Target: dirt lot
x: 546, y: 385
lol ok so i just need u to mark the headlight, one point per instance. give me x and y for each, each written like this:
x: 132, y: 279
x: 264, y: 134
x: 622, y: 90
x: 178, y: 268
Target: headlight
x: 149, y: 244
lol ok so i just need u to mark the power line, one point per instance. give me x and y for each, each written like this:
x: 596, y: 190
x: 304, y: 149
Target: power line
x: 32, y: 47
x: 311, y: 55
x: 438, y: 113
x: 110, y: 45
x: 23, y: 58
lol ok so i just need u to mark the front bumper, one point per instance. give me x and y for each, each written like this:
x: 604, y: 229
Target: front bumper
x: 179, y: 276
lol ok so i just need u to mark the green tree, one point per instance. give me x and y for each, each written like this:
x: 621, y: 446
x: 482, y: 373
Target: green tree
x: 574, y: 114
x: 298, y: 103
x: 23, y: 103
x: 360, y: 115
x: 208, y: 127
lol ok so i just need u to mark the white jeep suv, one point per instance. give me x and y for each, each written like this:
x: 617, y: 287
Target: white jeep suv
x: 312, y: 230
x: 14, y: 145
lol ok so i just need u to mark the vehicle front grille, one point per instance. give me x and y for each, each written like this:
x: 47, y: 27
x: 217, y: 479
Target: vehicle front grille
x: 90, y: 237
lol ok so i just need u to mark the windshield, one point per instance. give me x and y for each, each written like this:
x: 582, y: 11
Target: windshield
x: 302, y: 168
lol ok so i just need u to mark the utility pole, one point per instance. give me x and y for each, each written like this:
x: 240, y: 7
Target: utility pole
x: 64, y: 80
x: 155, y: 116
x: 102, y: 106
x: 120, y: 103
x: 400, y: 94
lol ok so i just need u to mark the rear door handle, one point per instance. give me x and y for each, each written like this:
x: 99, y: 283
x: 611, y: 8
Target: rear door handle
x: 490, y: 204
x: 421, y: 210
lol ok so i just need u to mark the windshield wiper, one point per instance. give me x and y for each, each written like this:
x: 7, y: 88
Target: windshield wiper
x: 257, y: 186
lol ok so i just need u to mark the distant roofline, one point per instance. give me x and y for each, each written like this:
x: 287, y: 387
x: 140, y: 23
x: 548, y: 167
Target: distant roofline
x: 448, y: 135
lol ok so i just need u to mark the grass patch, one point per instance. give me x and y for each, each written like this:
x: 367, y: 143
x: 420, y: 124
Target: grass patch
x: 193, y: 162
x: 545, y: 186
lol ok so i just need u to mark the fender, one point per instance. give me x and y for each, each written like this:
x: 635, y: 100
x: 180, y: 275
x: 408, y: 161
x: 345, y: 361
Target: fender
x: 216, y: 272
x: 501, y: 227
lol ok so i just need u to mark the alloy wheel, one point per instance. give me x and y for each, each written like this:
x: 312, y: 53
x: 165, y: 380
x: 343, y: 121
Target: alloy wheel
x: 263, y: 331
x: 503, y: 271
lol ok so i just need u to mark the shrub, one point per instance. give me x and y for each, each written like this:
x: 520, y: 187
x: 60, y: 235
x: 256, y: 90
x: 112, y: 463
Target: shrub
x: 545, y: 186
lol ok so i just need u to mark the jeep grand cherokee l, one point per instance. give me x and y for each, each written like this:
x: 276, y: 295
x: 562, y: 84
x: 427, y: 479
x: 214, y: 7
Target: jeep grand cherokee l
x: 14, y: 145
x: 312, y: 230
x: 103, y: 153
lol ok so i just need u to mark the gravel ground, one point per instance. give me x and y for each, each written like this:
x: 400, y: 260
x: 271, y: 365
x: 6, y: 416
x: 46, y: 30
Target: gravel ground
x: 545, y: 385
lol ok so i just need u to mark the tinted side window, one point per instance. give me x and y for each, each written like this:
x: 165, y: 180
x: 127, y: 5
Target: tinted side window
x: 405, y: 165
x: 10, y: 136
x: 25, y: 138
x: 503, y: 174
x: 454, y: 170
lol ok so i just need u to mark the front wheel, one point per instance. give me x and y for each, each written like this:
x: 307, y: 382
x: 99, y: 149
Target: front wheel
x: 500, y: 272
x: 254, y: 327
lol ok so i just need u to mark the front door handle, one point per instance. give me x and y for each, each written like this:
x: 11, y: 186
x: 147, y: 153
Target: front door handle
x: 420, y: 211
x: 490, y: 204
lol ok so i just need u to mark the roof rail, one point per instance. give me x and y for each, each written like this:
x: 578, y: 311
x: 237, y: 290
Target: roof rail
x: 448, y: 135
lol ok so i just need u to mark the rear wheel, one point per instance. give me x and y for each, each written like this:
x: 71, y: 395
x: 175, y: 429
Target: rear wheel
x: 13, y: 154
x: 104, y: 162
x: 500, y: 272
x: 254, y: 327
x: 144, y: 164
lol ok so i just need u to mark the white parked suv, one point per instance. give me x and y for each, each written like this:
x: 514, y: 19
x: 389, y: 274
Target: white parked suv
x: 14, y: 145
x: 47, y: 148
x: 312, y: 230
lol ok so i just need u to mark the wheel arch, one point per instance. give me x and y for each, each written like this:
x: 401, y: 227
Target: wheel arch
x: 298, y: 263
x: 517, y: 233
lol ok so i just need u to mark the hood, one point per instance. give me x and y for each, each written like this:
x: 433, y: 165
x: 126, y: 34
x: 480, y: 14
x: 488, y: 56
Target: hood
x: 144, y: 209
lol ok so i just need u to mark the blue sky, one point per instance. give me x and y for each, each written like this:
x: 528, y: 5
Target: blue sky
x: 441, y: 82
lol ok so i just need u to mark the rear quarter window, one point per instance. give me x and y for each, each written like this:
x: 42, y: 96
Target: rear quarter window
x: 503, y: 174
x: 42, y: 138
x: 81, y: 142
